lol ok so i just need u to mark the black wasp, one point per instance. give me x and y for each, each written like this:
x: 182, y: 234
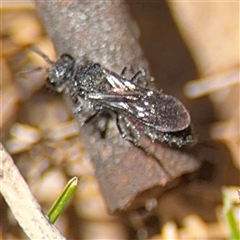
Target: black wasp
x: 139, y: 110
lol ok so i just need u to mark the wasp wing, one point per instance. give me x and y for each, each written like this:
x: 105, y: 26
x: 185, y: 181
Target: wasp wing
x: 163, y: 112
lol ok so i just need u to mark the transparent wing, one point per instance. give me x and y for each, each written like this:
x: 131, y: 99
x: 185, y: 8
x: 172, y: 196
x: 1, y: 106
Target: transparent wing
x: 153, y: 108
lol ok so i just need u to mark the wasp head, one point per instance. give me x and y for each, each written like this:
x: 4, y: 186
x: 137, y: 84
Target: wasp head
x: 61, y: 72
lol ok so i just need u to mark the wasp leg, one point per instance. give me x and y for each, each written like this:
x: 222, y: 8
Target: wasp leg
x: 127, y: 130
x: 126, y: 69
x: 100, y: 120
x: 82, y: 110
x: 140, y: 78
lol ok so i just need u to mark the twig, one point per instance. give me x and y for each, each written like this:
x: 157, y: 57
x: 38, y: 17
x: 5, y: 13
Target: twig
x: 22, y: 203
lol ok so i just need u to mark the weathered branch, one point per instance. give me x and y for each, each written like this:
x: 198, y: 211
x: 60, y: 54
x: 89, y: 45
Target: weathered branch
x: 22, y: 203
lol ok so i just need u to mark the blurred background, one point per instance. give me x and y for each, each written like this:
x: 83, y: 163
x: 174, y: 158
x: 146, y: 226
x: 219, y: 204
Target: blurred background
x: 193, y: 52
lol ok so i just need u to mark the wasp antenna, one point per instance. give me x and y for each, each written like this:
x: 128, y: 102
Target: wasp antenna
x: 29, y: 71
x: 41, y: 54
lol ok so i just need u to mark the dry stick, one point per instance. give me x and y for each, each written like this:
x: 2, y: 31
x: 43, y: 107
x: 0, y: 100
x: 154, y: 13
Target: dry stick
x: 103, y: 32
x: 22, y: 203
